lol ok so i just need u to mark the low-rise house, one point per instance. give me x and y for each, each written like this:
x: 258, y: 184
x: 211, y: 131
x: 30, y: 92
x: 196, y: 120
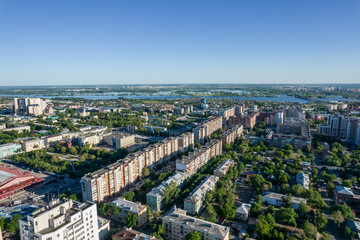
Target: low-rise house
x: 9, y: 149
x: 52, y: 139
x: 343, y: 194
x: 35, y: 144
x: 131, y: 234
x: 177, y: 225
x: 19, y: 129
x: 277, y: 199
x: 354, y: 225
x: 155, y: 198
x: 242, y: 212
x: 127, y: 207
x: 222, y: 169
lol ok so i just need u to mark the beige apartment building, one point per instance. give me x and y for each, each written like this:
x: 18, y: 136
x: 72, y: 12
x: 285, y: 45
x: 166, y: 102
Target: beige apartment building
x: 222, y: 169
x: 127, y: 207
x: 111, y: 179
x: 178, y: 225
x: 202, y: 133
x: 193, y: 203
x: 231, y: 134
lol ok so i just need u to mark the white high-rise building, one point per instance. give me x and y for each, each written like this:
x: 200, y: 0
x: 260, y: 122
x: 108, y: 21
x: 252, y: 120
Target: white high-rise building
x: 61, y: 220
x: 28, y: 106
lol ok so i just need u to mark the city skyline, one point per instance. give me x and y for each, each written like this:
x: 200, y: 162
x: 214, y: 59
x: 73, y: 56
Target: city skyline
x: 76, y: 43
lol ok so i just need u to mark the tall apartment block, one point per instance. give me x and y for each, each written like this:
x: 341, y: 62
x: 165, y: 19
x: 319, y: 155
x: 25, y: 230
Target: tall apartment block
x: 202, y: 133
x: 63, y: 219
x: 296, y: 134
x: 28, y: 106
x: 115, y: 177
x: 186, y: 141
x: 193, y: 203
x: 227, y: 113
x: 178, y: 225
x: 231, y: 134
x: 346, y: 128
x: 199, y: 157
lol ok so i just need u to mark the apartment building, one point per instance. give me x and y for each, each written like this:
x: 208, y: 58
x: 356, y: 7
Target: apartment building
x: 62, y: 219
x: 193, y: 203
x: 338, y: 126
x: 202, y: 133
x: 104, y: 182
x: 199, y: 157
x: 127, y: 207
x: 35, y: 144
x: 120, y: 140
x: 28, y: 106
x: 294, y: 133
x: 90, y: 139
x: 52, y: 139
x: 226, y: 114
x: 130, y: 234
x: 19, y: 129
x: 9, y: 149
x: 221, y: 170
x: 303, y: 179
x: 271, y: 117
x: 231, y: 134
x: 155, y: 198
x: 178, y: 225
x: 186, y: 141
x: 277, y: 200
x: 248, y: 121
x: 107, y: 181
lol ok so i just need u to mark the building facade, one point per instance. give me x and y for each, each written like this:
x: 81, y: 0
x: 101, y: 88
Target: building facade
x: 178, y: 225
x: 63, y: 219
x: 193, y: 203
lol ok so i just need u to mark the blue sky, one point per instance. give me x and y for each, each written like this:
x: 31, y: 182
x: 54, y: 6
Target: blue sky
x: 46, y: 42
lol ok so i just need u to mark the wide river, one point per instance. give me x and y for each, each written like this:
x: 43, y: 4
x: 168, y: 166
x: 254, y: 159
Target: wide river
x: 279, y: 98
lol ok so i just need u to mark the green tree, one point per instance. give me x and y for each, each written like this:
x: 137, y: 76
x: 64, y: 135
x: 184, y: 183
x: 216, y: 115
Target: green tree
x: 13, y: 224
x: 310, y: 230
x: 303, y: 209
x: 72, y: 150
x: 337, y: 217
x: 255, y: 209
x: 347, y: 183
x: 171, y: 193
x: 114, y: 210
x: 286, y: 216
x: 193, y: 236
x: 263, y: 227
x: 146, y: 172
x: 2, y: 222
x: 345, y: 211
x: 129, y: 196
x: 321, y: 221
x: 258, y: 182
x: 104, y: 208
x: 212, y: 213
x: 63, y: 150
x: 325, y: 236
x: 132, y: 220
